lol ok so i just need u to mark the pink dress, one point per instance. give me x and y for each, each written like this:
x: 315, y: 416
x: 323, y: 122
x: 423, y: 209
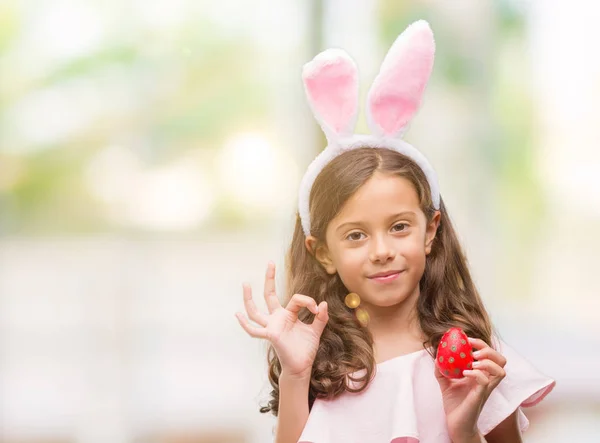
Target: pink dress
x: 403, y: 403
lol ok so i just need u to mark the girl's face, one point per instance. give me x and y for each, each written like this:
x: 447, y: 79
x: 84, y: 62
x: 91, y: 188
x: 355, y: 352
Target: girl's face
x: 378, y: 242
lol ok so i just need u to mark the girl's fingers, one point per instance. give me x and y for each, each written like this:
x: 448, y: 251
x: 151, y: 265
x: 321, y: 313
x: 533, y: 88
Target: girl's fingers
x: 321, y: 318
x: 477, y: 343
x: 254, y: 314
x: 478, y: 375
x: 485, y: 351
x: 299, y: 301
x: 491, y: 367
x: 251, y: 330
x: 444, y: 382
x: 270, y: 294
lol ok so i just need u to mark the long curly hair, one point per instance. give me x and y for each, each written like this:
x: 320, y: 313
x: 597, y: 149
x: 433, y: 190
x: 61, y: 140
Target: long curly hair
x: 448, y: 296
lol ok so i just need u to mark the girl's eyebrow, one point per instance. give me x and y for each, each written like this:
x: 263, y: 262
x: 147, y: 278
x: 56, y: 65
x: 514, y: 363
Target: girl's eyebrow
x: 409, y: 214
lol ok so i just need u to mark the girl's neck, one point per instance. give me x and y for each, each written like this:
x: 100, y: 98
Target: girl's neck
x: 396, y: 329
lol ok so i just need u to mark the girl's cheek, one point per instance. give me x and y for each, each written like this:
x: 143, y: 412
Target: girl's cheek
x: 414, y: 254
x: 351, y: 261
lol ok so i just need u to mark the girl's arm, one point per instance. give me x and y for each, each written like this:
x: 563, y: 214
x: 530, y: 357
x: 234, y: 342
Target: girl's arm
x: 296, y: 347
x: 293, y: 407
x: 506, y: 432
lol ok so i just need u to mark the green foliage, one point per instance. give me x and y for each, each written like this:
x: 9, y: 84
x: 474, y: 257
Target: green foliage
x: 189, y: 88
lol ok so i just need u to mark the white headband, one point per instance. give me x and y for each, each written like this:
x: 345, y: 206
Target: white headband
x: 331, y: 85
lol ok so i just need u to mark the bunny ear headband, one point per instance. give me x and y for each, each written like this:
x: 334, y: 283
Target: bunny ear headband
x: 331, y: 85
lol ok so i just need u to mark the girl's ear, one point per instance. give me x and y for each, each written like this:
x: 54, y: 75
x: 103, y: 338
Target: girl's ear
x: 321, y: 253
x: 431, y: 231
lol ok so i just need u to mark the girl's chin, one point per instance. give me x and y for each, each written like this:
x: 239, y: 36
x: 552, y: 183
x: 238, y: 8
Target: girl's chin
x: 381, y: 301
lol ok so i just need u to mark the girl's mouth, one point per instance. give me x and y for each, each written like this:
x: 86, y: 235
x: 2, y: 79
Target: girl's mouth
x: 386, y: 278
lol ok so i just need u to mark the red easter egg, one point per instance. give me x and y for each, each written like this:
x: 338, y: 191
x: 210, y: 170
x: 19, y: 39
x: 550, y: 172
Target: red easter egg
x: 454, y: 354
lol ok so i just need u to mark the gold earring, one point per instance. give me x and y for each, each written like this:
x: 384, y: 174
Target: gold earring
x: 352, y: 300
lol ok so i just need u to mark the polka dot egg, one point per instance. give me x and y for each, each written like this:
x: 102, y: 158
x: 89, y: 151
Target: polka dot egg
x: 454, y: 354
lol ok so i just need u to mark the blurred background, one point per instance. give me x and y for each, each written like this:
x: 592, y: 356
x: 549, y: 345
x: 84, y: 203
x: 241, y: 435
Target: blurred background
x: 150, y: 154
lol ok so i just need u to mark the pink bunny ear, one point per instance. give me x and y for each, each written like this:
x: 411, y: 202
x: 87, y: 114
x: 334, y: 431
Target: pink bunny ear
x: 395, y: 95
x: 331, y: 85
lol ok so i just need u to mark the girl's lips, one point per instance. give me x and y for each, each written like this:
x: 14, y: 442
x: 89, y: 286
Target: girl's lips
x: 387, y: 278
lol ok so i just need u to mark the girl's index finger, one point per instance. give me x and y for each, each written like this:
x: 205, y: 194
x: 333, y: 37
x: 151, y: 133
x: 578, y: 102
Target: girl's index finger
x: 477, y: 343
x: 270, y: 294
x: 486, y: 351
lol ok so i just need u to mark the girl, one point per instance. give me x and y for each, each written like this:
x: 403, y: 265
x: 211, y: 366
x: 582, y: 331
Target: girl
x: 375, y: 277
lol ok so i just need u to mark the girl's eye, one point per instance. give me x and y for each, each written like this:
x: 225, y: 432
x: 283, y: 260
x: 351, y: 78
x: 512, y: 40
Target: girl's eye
x: 399, y: 230
x: 354, y: 236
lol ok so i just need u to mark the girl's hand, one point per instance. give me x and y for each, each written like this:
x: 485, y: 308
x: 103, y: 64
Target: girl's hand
x: 464, y: 398
x: 295, y: 342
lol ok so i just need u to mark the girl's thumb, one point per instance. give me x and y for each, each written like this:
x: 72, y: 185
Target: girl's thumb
x: 321, y: 318
x: 443, y: 381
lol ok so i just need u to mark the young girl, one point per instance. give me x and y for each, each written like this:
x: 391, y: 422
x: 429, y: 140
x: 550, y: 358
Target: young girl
x: 376, y: 276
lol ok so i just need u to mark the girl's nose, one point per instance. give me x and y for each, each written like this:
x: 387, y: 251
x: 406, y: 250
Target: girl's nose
x: 381, y: 250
